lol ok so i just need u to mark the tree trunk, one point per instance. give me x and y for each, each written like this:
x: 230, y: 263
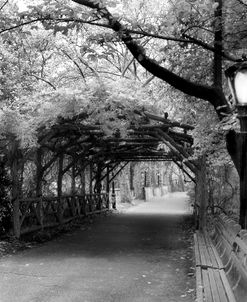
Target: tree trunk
x: 218, y: 45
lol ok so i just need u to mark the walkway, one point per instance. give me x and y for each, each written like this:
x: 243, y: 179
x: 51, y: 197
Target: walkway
x: 128, y: 257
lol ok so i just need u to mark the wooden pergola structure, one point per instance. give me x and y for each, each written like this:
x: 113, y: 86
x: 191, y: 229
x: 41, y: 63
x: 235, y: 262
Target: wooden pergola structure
x: 74, y: 145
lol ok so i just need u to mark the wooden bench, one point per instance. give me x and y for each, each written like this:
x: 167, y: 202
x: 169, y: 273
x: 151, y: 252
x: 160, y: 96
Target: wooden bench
x: 231, y: 244
x: 211, y: 281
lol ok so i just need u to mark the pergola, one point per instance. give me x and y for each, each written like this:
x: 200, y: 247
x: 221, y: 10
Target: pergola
x: 73, y: 145
x: 143, y: 142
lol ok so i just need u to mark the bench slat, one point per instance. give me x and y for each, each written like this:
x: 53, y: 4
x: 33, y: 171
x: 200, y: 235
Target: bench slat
x: 197, y: 253
x: 206, y: 261
x: 220, y: 287
x: 212, y: 255
x: 211, y: 282
x: 205, y: 252
x: 227, y: 287
x: 214, y: 289
x: 207, y: 288
x: 199, y: 285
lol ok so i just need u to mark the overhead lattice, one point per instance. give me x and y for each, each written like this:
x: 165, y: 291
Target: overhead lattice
x: 154, y: 138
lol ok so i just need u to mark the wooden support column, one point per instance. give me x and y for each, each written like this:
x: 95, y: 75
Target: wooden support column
x: 91, y: 186
x: 39, y: 179
x: 98, y: 185
x: 83, y: 189
x: 83, y: 180
x: 98, y: 179
x: 73, y: 176
x: 73, y: 187
x: 113, y: 196
x: 131, y: 177
x: 59, y: 186
x: 108, y: 186
x: 145, y: 178
x: 15, y: 192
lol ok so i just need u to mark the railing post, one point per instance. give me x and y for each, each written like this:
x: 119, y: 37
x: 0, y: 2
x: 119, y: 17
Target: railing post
x: 59, y: 188
x: 83, y: 192
x: 113, y: 196
x: 108, y: 187
x: 91, y: 187
x: 39, y: 176
x: 73, y: 190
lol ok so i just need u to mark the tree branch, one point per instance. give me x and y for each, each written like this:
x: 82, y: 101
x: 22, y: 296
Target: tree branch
x: 213, y: 95
x: 42, y: 79
x: 2, y: 6
x: 75, y: 63
x: 187, y: 39
x: 242, y: 2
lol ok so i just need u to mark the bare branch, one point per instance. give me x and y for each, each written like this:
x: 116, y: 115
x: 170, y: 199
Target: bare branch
x: 187, y: 39
x: 213, y: 95
x: 2, y: 6
x: 43, y: 80
x: 76, y: 64
x: 242, y: 2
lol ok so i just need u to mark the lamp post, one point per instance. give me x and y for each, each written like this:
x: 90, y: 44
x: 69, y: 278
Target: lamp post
x: 237, y: 80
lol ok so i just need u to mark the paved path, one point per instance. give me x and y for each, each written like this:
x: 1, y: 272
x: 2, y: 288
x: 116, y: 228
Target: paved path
x: 129, y: 257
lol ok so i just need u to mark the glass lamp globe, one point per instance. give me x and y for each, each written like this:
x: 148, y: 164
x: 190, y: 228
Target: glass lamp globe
x: 240, y: 86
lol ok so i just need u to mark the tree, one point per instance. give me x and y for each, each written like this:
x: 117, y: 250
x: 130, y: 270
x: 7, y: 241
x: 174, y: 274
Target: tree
x: 194, y: 50
x: 212, y: 94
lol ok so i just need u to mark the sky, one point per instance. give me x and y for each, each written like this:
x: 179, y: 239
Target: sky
x: 22, y: 4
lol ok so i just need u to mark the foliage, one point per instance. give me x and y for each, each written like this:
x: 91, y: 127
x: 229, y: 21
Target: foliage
x: 66, y: 61
x: 5, y: 204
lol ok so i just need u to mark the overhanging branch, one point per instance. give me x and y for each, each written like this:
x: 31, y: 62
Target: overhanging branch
x: 213, y: 95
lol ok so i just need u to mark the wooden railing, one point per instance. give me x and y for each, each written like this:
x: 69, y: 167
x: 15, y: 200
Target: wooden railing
x: 43, y: 212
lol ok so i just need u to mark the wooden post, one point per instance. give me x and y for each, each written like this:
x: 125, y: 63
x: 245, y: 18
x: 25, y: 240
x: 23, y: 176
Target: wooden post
x: 91, y: 187
x: 108, y: 186
x: 113, y: 196
x: 131, y: 177
x: 39, y: 178
x: 98, y: 185
x: 145, y: 178
x: 15, y: 191
x: 59, y: 187
x: 73, y: 188
x: 73, y: 176
x: 83, y: 190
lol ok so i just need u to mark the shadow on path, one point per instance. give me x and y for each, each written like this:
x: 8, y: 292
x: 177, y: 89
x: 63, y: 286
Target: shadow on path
x: 134, y: 257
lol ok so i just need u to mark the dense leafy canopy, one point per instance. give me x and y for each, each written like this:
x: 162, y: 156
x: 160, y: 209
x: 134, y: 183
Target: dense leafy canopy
x: 66, y: 60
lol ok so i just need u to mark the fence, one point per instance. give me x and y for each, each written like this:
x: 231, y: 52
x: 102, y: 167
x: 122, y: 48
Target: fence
x: 43, y: 212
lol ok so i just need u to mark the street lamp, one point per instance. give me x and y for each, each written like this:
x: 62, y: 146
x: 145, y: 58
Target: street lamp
x: 237, y: 80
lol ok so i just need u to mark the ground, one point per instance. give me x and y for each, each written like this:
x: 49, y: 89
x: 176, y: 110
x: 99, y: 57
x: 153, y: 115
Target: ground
x: 142, y: 254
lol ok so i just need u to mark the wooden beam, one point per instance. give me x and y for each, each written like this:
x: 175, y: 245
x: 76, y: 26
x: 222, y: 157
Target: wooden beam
x: 182, y: 168
x: 118, y: 171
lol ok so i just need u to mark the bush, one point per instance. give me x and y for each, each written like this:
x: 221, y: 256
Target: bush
x: 5, y: 203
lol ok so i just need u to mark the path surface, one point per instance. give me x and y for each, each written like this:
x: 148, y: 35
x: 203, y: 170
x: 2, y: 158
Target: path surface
x: 129, y: 257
